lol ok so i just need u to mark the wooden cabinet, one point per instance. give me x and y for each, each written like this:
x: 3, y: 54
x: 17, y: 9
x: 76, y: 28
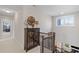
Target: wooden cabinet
x: 31, y: 38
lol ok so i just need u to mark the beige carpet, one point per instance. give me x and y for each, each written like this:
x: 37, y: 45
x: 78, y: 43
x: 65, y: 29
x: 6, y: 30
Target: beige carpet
x: 10, y: 46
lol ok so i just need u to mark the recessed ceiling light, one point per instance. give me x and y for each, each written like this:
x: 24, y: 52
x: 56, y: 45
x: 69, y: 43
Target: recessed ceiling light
x: 7, y: 11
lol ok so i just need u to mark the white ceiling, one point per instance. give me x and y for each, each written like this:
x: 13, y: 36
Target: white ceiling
x: 55, y: 10
x: 52, y: 10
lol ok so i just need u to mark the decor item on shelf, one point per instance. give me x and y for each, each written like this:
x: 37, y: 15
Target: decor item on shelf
x: 31, y: 21
x: 67, y: 45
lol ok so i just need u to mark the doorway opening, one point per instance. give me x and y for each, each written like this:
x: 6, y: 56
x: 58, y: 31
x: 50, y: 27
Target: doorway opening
x: 6, y: 25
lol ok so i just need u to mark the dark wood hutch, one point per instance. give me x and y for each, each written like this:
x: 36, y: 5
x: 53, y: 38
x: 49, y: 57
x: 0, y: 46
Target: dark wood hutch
x: 31, y: 38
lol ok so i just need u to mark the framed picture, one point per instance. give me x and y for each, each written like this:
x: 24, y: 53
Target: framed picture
x: 6, y: 26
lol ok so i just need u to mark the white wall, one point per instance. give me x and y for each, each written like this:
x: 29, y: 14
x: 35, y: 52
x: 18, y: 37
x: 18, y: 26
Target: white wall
x: 45, y: 22
x: 18, y: 28
x: 68, y: 34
